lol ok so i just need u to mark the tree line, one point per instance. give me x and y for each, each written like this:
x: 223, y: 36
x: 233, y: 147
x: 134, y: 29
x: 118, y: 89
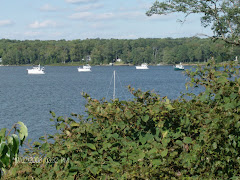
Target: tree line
x: 105, y: 51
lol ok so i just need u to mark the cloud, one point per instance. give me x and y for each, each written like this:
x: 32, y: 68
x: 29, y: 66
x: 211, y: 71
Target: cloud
x: 91, y: 16
x: 125, y: 16
x: 44, y: 24
x: 32, y: 34
x: 48, y: 7
x: 141, y: 16
x: 131, y: 15
x: 89, y: 7
x: 6, y: 22
x: 80, y: 1
x: 105, y: 16
x: 100, y: 26
x: 42, y: 35
x: 82, y: 15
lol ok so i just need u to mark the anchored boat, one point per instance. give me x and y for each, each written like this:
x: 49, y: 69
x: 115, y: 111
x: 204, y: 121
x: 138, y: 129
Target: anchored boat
x: 36, y: 70
x: 142, y: 66
x: 179, y: 67
x: 85, y: 68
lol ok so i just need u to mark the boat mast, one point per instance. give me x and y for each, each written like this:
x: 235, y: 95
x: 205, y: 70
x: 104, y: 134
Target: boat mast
x: 114, y: 85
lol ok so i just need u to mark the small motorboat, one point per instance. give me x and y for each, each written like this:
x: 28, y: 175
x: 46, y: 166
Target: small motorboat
x: 179, y: 67
x: 142, y: 66
x: 36, y: 70
x: 85, y: 68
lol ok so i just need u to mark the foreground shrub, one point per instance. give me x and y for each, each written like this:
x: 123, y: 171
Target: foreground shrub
x: 149, y: 137
x: 9, y: 145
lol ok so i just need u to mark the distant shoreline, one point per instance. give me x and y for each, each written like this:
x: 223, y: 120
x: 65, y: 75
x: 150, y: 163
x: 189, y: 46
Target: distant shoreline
x: 75, y: 64
x: 185, y: 64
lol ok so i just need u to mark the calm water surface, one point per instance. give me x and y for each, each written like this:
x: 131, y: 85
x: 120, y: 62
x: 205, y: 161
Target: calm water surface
x: 29, y: 98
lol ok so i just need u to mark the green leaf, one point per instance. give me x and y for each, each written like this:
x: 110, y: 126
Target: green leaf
x: 38, y: 171
x: 10, y: 140
x: 165, y: 142
x: 141, y: 155
x: 23, y: 133
x: 152, y: 151
x: 74, y: 169
x: 15, y: 147
x: 187, y: 140
x: 168, y: 105
x: 164, y: 153
x: 3, y: 132
x: 142, y: 140
x: 74, y: 124
x: 148, y: 136
x: 156, y: 162
x: 156, y: 109
x: 128, y: 114
x: 222, y: 80
x: 3, y: 149
x: 164, y: 134
x: 233, y: 95
x: 217, y: 73
x: 91, y: 146
x: 106, y: 145
x: 45, y: 146
x: 37, y: 144
x: 115, y: 135
x: 203, y: 97
x: 53, y: 114
x: 93, y: 170
x: 230, y: 106
x: 145, y: 118
x: 179, y: 143
x: 214, y: 145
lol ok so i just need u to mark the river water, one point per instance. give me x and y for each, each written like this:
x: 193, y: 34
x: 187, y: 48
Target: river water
x: 29, y: 98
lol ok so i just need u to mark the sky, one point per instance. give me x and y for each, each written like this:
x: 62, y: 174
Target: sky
x: 90, y: 19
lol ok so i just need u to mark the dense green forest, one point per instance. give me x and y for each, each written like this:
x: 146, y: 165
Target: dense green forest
x: 105, y: 51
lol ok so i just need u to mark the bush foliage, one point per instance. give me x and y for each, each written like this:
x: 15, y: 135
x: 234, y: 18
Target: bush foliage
x: 9, y: 145
x: 149, y: 137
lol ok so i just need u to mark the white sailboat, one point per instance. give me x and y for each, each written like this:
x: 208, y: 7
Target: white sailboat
x: 114, y: 84
x: 114, y: 76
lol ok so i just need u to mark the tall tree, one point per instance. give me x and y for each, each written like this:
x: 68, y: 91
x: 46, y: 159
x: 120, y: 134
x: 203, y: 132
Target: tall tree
x: 222, y: 15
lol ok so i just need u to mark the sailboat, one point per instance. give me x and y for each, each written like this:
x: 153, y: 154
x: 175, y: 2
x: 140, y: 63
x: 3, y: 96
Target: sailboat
x: 114, y: 86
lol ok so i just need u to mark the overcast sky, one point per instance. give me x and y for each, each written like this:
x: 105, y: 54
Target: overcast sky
x: 82, y: 19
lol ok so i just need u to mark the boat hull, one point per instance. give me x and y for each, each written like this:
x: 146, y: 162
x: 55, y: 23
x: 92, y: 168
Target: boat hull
x: 84, y: 70
x: 142, y: 66
x: 139, y: 67
x: 35, y: 72
x: 178, y: 69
